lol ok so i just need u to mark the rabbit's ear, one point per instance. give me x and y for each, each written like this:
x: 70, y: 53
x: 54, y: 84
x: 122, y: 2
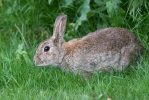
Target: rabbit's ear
x: 59, y: 29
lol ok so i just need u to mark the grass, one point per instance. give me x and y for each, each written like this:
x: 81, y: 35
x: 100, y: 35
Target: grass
x: 20, y: 79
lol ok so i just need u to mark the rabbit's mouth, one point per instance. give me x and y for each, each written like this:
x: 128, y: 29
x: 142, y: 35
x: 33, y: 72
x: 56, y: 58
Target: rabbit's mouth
x: 39, y: 63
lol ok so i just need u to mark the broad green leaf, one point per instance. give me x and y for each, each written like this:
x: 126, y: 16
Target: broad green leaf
x: 116, y: 1
x: 49, y: 2
x: 67, y: 3
x: 115, y: 12
x: 99, y: 2
x: 84, y: 10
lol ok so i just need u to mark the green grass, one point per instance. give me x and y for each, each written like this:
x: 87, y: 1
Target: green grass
x: 20, y: 79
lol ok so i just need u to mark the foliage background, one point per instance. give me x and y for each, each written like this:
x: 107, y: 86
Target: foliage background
x: 25, y: 23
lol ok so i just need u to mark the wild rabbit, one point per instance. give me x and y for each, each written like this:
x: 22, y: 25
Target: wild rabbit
x: 102, y: 50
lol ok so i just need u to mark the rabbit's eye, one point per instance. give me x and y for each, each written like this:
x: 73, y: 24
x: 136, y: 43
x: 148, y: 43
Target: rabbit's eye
x: 46, y: 48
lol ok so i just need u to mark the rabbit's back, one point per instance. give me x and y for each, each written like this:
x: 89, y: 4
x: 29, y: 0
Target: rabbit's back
x: 102, y: 50
x: 108, y: 39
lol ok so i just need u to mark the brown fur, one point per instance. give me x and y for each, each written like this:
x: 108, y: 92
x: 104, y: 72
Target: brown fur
x: 102, y: 50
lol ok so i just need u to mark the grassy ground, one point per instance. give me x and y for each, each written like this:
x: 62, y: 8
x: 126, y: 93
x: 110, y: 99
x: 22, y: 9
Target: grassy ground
x: 20, y: 79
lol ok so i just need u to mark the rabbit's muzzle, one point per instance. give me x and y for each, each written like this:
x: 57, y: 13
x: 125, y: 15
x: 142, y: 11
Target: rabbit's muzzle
x: 38, y: 61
